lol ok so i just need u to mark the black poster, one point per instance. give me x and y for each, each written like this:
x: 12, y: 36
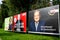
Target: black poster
x: 44, y: 20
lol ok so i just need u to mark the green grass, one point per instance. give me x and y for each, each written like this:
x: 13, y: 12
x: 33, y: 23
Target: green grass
x: 21, y: 36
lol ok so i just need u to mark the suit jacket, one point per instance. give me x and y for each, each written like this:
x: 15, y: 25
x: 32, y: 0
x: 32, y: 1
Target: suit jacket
x: 33, y: 28
x: 18, y: 25
x: 10, y: 27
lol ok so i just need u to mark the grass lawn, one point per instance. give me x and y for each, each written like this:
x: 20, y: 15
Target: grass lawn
x: 21, y: 36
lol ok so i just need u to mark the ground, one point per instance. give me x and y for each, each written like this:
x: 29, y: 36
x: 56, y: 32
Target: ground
x: 4, y: 35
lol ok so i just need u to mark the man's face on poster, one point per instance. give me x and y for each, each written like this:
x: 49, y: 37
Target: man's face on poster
x: 11, y: 20
x: 36, y: 16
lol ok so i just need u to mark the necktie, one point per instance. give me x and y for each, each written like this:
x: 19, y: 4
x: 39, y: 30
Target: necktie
x: 36, y: 25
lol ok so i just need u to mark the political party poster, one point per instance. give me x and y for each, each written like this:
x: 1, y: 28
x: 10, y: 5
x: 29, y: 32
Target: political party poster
x: 20, y: 22
x: 44, y: 20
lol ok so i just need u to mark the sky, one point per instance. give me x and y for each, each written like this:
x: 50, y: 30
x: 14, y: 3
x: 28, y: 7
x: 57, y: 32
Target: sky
x: 0, y: 1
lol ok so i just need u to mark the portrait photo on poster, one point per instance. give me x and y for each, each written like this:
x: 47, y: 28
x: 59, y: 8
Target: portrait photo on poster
x: 16, y: 23
x: 44, y: 20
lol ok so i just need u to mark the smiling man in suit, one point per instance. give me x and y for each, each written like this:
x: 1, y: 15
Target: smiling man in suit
x: 36, y: 23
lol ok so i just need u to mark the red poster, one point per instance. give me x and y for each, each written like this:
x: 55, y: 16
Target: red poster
x: 23, y: 18
x: 20, y: 22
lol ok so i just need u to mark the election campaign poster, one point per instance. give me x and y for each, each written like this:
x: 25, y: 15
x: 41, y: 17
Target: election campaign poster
x: 44, y: 20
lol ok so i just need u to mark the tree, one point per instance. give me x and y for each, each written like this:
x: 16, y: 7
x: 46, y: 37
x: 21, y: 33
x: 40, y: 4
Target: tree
x: 12, y: 7
x: 4, y: 11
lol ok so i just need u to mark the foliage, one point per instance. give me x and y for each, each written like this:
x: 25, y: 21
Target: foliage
x: 13, y: 7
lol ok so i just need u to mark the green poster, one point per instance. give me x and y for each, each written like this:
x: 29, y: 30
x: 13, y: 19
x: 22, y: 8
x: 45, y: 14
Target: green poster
x: 6, y: 24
